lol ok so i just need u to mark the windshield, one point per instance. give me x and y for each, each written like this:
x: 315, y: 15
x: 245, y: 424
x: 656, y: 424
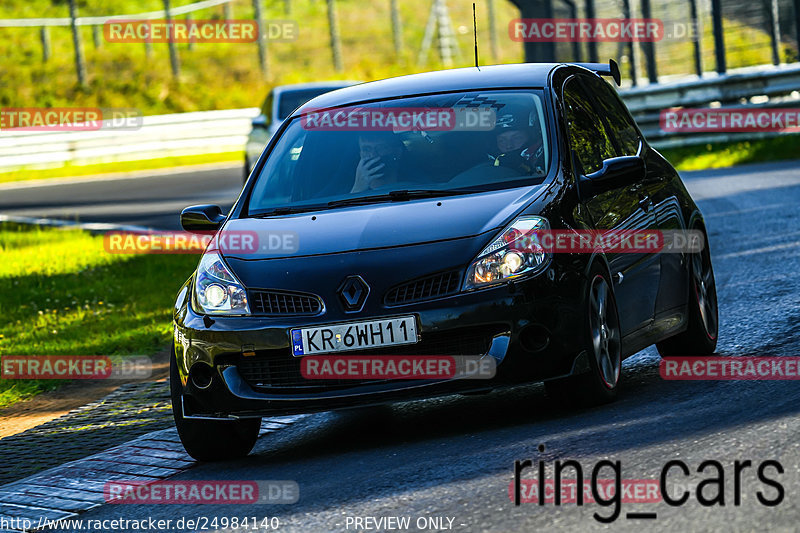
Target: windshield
x: 432, y: 145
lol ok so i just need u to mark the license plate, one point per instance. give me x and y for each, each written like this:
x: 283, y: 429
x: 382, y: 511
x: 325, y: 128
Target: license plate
x: 354, y: 336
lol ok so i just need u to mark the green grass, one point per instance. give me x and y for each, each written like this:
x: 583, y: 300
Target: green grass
x: 62, y: 294
x: 718, y: 155
x: 70, y: 171
x: 224, y: 76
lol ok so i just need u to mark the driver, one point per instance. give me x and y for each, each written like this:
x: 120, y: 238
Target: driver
x: 381, y: 155
x: 519, y: 142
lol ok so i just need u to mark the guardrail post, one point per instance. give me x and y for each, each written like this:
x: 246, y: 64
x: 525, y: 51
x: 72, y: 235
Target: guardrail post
x: 719, y: 38
x: 80, y: 65
x: 649, y: 47
x: 263, y: 59
x: 173, y: 51
x: 44, y: 36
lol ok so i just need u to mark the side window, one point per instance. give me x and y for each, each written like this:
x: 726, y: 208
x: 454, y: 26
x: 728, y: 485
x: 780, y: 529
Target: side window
x: 588, y: 138
x: 616, y: 115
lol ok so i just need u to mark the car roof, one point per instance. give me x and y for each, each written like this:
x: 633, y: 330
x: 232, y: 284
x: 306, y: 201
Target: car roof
x: 532, y: 75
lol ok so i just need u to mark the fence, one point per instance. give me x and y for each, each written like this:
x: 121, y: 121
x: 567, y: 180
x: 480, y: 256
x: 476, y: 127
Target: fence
x: 439, y: 27
x: 722, y: 35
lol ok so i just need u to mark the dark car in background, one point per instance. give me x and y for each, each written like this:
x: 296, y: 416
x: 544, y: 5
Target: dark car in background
x: 279, y: 104
x: 417, y: 228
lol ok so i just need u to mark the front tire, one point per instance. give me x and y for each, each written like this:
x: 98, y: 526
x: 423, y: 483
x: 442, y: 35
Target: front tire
x: 210, y: 440
x: 603, y: 349
x: 700, y: 337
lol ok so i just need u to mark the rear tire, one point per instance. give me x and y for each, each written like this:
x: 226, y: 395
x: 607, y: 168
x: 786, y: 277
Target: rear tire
x: 700, y: 337
x: 210, y: 440
x: 603, y: 348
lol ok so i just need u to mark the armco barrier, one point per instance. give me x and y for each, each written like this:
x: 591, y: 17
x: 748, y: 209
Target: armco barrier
x: 749, y: 88
x: 212, y: 132
x: 206, y: 132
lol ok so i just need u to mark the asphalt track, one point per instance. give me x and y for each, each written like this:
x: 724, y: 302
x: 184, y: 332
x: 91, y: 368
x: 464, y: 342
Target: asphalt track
x: 454, y: 457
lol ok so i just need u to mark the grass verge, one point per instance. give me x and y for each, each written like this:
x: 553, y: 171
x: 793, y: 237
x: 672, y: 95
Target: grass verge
x: 62, y: 294
x: 728, y: 154
x: 74, y: 171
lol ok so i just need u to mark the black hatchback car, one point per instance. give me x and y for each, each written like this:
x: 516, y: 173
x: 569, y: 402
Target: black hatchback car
x: 397, y: 236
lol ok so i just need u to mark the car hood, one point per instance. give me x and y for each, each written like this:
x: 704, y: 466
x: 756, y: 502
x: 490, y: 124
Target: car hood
x: 377, y: 225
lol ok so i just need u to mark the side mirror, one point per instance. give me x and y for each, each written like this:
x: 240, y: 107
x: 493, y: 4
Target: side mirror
x: 259, y: 122
x: 616, y: 172
x: 202, y: 218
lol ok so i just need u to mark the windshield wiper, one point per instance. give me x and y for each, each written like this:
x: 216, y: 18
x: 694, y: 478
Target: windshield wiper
x: 287, y: 210
x: 399, y: 196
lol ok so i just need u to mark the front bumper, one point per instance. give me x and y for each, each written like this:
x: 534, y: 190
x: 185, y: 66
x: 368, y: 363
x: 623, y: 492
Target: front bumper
x: 529, y: 327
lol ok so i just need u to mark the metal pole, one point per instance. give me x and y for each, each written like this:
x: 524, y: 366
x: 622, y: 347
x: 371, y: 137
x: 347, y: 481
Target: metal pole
x: 591, y: 44
x: 336, y: 45
x: 427, y: 38
x: 719, y: 37
x: 698, y: 38
x: 98, y: 42
x: 797, y: 23
x: 173, y: 51
x: 80, y: 65
x: 493, y: 31
x: 649, y: 48
x: 44, y: 35
x: 190, y: 44
x: 626, y: 13
x: 576, y: 46
x: 774, y: 31
x: 397, y: 29
x: 263, y: 59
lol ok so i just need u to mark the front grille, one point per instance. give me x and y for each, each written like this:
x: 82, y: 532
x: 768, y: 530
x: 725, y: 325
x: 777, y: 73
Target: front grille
x: 283, y: 303
x: 425, y: 288
x: 278, y: 369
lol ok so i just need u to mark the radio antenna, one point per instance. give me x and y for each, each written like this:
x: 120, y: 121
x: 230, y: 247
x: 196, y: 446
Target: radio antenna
x: 475, y: 34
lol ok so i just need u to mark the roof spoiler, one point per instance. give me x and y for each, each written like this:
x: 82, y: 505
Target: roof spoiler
x: 603, y: 69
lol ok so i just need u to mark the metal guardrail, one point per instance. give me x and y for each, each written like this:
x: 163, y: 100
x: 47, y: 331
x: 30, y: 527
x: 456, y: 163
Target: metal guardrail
x: 206, y: 132
x: 752, y: 88
x: 212, y: 132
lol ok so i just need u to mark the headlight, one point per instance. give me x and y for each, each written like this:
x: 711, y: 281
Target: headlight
x: 514, y: 253
x: 216, y: 289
